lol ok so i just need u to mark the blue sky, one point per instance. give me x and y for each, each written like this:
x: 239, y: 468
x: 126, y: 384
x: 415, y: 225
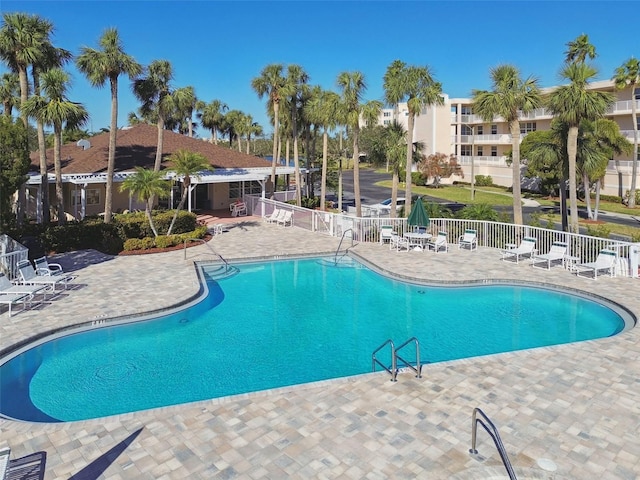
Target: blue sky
x: 218, y: 47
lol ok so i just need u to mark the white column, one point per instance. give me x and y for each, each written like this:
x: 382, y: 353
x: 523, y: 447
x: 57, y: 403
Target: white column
x: 83, y: 202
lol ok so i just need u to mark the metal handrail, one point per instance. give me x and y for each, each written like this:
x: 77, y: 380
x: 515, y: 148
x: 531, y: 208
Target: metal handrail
x: 394, y: 370
x: 226, y: 264
x: 335, y: 259
x: 418, y: 368
x: 491, y: 429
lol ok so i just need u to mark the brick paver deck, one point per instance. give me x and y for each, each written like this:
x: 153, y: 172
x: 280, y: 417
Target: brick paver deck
x: 573, y: 406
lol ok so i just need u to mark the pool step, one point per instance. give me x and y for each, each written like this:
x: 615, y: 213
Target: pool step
x: 220, y: 272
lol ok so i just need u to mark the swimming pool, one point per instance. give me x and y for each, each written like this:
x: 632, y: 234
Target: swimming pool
x: 283, y: 323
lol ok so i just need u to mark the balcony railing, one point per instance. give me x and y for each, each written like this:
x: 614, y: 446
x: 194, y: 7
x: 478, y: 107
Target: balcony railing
x: 483, y: 160
x: 622, y: 107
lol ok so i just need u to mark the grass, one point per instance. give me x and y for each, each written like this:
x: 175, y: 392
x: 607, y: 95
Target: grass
x: 459, y: 194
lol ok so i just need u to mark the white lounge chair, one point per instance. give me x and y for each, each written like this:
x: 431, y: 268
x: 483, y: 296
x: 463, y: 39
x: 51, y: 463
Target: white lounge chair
x: 555, y: 256
x: 286, y: 218
x: 28, y: 276
x: 439, y: 244
x: 468, y: 240
x: 4, y: 461
x: 11, y: 299
x: 526, y: 249
x: 605, y: 262
x: 7, y: 287
x: 385, y: 233
x: 273, y: 218
x: 398, y: 243
x: 43, y: 267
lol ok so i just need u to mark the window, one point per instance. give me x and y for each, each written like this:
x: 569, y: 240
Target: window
x: 526, y: 127
x: 387, y: 114
x: 494, y: 129
x: 235, y: 189
x: 386, y: 122
x: 466, y: 110
x: 93, y: 197
x: 479, y: 130
x: 479, y: 151
x: 465, y: 150
x: 494, y: 151
x: 636, y: 94
x: 466, y: 130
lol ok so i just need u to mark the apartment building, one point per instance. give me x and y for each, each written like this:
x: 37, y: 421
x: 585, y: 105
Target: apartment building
x: 484, y: 147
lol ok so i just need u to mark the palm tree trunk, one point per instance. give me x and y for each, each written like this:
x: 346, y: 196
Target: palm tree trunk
x: 597, y: 206
x: 634, y: 161
x: 158, y: 161
x: 323, y: 183
x: 587, y: 194
x: 57, y: 141
x: 394, y: 194
x: 572, y: 149
x: 276, y: 108
x: 356, y: 170
x: 185, y: 192
x: 147, y: 210
x: 296, y: 164
x: 113, y: 131
x: 409, y: 162
x: 24, y: 94
x: 514, y: 127
x: 42, y: 150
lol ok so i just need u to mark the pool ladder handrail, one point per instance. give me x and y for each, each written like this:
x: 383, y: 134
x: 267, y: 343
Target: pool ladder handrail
x: 491, y: 429
x: 335, y: 258
x: 393, y: 370
x: 226, y: 264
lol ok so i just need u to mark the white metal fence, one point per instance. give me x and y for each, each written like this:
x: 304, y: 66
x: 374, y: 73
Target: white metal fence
x: 11, y: 252
x: 490, y: 234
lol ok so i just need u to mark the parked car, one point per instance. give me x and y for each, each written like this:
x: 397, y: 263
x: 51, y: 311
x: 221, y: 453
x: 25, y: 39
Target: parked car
x: 384, y: 207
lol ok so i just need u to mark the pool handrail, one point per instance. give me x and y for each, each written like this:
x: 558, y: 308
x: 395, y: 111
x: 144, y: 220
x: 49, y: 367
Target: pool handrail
x: 491, y: 429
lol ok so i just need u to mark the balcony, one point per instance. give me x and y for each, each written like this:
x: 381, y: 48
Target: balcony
x: 628, y: 134
x: 622, y: 108
x: 483, y: 160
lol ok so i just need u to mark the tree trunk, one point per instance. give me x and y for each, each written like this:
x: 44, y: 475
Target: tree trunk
x: 597, y: 207
x: 276, y: 108
x: 113, y: 132
x: 394, y: 194
x: 563, y: 203
x: 323, y: 183
x: 587, y: 194
x: 147, y: 210
x: 572, y: 148
x: 296, y: 164
x: 186, y: 184
x: 24, y: 94
x: 57, y: 141
x: 42, y: 150
x: 514, y: 127
x: 409, y: 163
x: 356, y: 170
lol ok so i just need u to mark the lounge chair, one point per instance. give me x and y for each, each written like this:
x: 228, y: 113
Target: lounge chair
x: 286, y: 218
x: 439, y: 243
x: 29, y: 467
x: 385, y: 233
x: 7, y: 287
x: 468, y: 240
x: 398, y: 243
x: 555, y: 256
x: 273, y: 218
x: 43, y: 267
x: 11, y: 299
x: 605, y: 262
x: 526, y: 249
x: 28, y: 276
x: 4, y: 461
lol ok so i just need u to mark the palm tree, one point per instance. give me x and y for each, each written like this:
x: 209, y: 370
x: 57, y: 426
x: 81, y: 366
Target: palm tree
x: 56, y: 110
x: 146, y: 184
x: 419, y: 88
x: 212, y: 117
x: 395, y: 140
x: 296, y: 78
x: 270, y: 83
x: 324, y: 109
x: 628, y: 75
x: 510, y: 96
x: 572, y: 104
x: 155, y: 94
x: 186, y: 164
x: 108, y: 63
x: 9, y: 92
x: 353, y: 87
x: 185, y: 103
x: 579, y: 49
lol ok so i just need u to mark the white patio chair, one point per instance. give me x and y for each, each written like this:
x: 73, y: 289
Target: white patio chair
x: 526, y: 249
x: 43, y: 267
x: 28, y: 276
x: 468, y: 240
x: 11, y: 299
x: 605, y: 262
x: 273, y: 218
x: 439, y: 243
x: 555, y: 256
x: 286, y: 219
x: 6, y: 287
x: 385, y: 233
x: 399, y: 243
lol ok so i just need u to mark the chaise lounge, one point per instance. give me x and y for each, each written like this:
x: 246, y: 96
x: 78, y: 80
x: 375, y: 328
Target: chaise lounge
x: 605, y: 262
x: 526, y: 249
x: 555, y: 256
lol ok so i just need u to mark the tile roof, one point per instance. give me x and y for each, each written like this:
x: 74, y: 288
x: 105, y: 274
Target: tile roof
x: 136, y: 146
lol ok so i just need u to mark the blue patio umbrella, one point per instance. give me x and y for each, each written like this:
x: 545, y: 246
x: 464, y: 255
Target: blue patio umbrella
x: 418, y: 216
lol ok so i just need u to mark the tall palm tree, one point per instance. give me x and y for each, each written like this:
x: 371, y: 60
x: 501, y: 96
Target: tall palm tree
x: 146, y: 184
x: 395, y: 140
x: 353, y: 86
x: 9, y: 92
x: 186, y: 164
x: 212, y: 117
x: 324, y: 109
x: 270, y: 83
x: 579, y: 49
x: 417, y: 86
x: 510, y: 96
x: 154, y: 92
x: 185, y: 103
x: 24, y: 41
x: 628, y: 75
x: 572, y: 104
x: 55, y: 109
x: 108, y: 63
x: 296, y: 78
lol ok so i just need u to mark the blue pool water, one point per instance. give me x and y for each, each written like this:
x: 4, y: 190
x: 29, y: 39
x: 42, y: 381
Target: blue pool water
x: 283, y: 323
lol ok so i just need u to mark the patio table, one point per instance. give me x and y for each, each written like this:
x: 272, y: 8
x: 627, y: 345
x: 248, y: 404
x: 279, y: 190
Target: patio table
x: 417, y: 239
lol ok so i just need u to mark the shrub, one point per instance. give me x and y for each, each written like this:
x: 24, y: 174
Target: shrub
x: 627, y: 195
x: 310, y: 202
x: 418, y: 179
x: 479, y: 211
x: 139, y: 244
x: 484, y: 181
x: 601, y: 231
